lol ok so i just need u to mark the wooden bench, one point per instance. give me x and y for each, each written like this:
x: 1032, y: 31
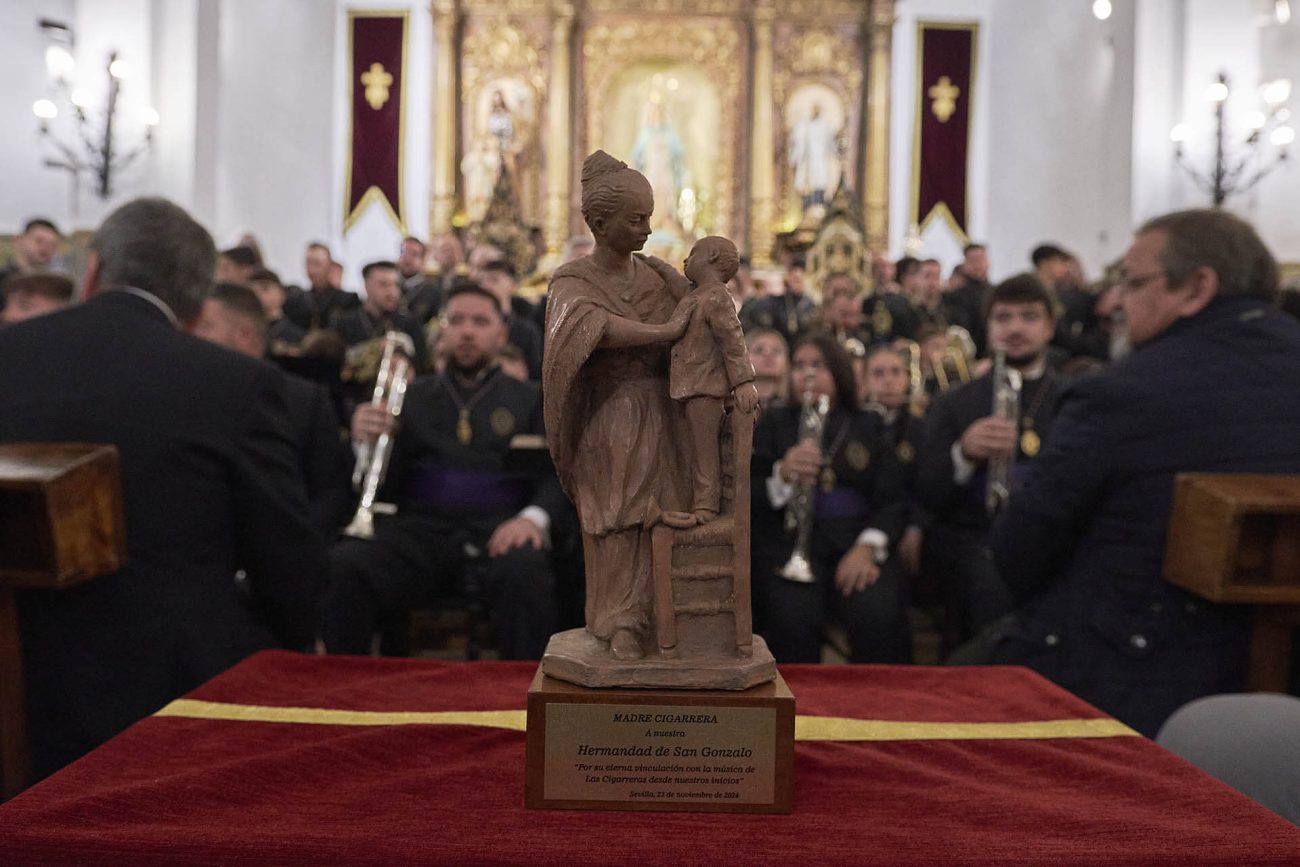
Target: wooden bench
x: 1235, y: 539
x: 60, y: 524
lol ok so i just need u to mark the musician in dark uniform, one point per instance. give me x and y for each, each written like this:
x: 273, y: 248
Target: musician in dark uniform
x: 857, y: 512
x: 788, y: 313
x: 322, y: 303
x: 363, y: 329
x: 421, y: 292
x: 887, y: 394
x: 380, y: 312
x: 963, y: 434
x: 890, y: 308
x: 842, y: 315
x: 458, y: 506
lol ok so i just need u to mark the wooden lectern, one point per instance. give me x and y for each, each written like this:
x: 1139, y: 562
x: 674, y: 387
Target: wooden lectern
x: 60, y: 524
x: 1235, y: 539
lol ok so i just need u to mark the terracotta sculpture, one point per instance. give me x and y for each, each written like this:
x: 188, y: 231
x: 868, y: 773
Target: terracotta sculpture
x: 619, y: 441
x: 708, y: 363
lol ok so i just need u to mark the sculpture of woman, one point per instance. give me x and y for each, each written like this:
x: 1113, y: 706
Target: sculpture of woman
x: 612, y: 427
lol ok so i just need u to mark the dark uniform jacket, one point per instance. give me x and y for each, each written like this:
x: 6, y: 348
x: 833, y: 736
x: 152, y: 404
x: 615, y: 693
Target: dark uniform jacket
x: 890, y: 315
x: 963, y: 506
x: 868, y: 482
x: 905, y: 435
x: 422, y: 297
x: 473, y: 484
x: 965, y: 306
x: 210, y: 485
x: 325, y: 458
x: 787, y: 313
x: 1084, y: 541
x: 310, y: 309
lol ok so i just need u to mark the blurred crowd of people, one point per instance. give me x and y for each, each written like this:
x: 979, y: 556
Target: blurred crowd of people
x: 900, y: 373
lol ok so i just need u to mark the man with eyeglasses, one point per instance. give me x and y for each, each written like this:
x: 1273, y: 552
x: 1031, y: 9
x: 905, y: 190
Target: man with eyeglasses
x: 1211, y: 387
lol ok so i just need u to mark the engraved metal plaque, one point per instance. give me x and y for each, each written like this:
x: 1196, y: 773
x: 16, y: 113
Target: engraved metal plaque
x: 660, y: 753
x: 659, y: 749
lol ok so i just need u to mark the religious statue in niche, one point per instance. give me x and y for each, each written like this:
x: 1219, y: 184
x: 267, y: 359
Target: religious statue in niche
x: 480, y: 169
x: 503, y: 120
x: 658, y: 154
x: 624, y: 452
x: 501, y: 127
x: 814, y: 154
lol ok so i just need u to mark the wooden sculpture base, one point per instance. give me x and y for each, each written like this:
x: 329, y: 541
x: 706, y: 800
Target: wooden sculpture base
x: 699, y: 751
x: 582, y: 659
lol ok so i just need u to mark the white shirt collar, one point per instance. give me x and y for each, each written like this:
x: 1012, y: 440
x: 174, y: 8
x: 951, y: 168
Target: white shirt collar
x: 152, y: 299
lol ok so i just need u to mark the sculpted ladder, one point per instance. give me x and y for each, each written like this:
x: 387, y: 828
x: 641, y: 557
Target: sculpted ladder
x: 701, y: 574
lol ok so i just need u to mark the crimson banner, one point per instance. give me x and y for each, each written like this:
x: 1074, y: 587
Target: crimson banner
x: 945, y: 73
x: 377, y: 77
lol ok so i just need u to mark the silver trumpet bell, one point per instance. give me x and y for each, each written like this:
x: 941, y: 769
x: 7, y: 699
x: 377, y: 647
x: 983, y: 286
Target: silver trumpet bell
x: 798, y: 569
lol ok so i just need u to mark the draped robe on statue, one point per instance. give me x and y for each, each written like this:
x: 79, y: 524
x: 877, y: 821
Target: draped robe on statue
x: 614, y: 433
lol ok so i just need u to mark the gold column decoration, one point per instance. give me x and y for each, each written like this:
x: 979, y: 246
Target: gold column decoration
x: 443, y: 204
x: 762, y: 157
x: 875, y: 200
x: 558, y: 135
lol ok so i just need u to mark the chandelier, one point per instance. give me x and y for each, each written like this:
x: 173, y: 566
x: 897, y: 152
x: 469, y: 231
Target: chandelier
x: 92, y: 146
x: 1241, y: 158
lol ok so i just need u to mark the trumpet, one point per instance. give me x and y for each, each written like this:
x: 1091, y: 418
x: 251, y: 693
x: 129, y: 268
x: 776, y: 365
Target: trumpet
x: 1006, y: 404
x: 799, y: 513
x: 952, y: 365
x: 915, y: 376
x: 372, y: 459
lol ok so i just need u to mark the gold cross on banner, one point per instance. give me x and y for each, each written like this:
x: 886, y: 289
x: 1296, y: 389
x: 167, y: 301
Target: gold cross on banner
x: 945, y: 96
x: 377, y: 82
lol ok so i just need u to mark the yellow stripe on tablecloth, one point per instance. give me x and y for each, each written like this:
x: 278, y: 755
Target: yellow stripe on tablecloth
x: 194, y: 709
x: 830, y: 728
x: 806, y: 728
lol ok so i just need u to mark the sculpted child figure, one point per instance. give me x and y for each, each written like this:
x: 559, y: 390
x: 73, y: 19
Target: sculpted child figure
x: 613, y: 430
x: 709, y: 362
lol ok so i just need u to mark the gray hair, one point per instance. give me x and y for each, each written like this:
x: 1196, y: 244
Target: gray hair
x: 156, y: 246
x: 1215, y: 239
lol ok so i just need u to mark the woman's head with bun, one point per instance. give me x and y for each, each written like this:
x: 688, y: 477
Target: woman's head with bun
x: 616, y: 203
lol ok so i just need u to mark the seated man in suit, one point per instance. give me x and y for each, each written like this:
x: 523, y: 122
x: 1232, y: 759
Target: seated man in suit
x: 1210, y: 387
x: 233, y: 317
x: 210, y: 486
x: 458, y: 506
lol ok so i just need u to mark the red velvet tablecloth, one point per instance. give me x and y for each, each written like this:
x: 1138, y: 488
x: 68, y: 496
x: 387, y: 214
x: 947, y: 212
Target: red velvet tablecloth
x: 289, y: 759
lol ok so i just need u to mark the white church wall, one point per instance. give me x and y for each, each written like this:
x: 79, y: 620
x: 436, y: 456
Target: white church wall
x: 1278, y: 214
x: 1157, y: 106
x: 1060, y: 132
x: 181, y: 31
x: 275, y: 127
